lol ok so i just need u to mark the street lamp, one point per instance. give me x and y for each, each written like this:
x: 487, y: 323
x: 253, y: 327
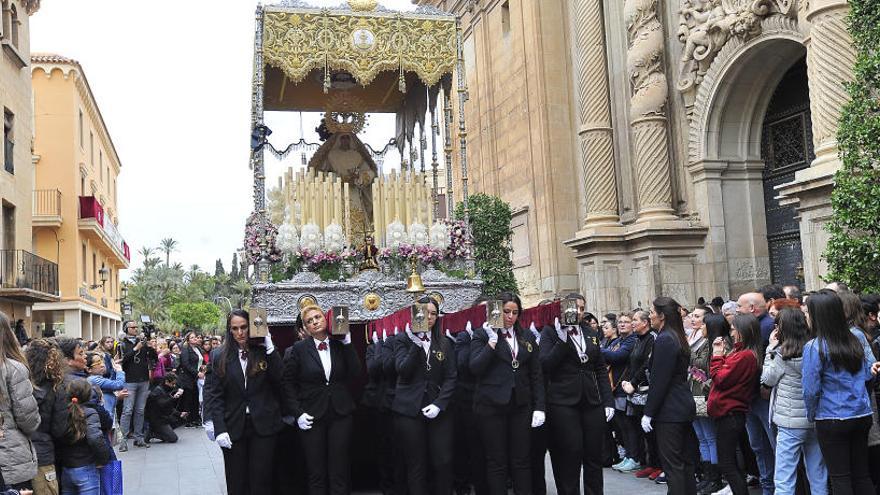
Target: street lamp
x: 123, y: 292
x: 104, y: 274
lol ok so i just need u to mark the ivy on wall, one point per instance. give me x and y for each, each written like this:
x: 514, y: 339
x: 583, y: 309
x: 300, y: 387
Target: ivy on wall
x: 853, y: 252
x: 490, y: 227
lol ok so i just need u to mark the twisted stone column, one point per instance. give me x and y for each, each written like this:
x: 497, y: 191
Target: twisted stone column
x: 644, y: 60
x: 594, y: 113
x: 830, y: 61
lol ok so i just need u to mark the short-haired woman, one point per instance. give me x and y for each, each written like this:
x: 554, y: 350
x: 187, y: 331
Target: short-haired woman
x: 317, y: 372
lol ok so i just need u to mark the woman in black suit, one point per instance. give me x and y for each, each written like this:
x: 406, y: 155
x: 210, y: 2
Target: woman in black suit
x: 423, y: 423
x: 317, y: 371
x: 579, y: 403
x: 243, y: 402
x: 670, y: 408
x: 508, y: 397
x: 189, y: 372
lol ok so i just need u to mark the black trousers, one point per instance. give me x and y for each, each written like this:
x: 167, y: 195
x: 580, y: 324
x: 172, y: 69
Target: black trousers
x: 629, y: 429
x: 537, y: 457
x: 469, y: 464
x: 424, y: 441
x: 249, y: 463
x: 844, y: 445
x: 728, y: 430
x: 577, y: 433
x: 675, y: 446
x: 507, y: 440
x: 162, y: 431
x: 326, y: 447
x: 189, y: 402
x: 382, y: 420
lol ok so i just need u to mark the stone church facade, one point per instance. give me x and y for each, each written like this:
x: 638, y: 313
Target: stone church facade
x: 676, y: 147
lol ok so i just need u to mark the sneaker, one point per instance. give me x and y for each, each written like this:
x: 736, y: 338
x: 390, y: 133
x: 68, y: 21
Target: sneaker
x: 616, y: 467
x: 724, y: 491
x: 752, y: 480
x: 141, y: 443
x: 645, y: 472
x: 660, y: 480
x: 123, y: 445
x: 715, y: 486
x: 656, y: 474
x: 628, y: 465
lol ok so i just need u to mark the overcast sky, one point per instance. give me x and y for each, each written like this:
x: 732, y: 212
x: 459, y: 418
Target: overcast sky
x: 173, y: 81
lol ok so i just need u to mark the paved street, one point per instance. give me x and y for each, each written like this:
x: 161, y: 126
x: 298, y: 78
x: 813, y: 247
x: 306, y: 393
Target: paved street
x: 194, y: 466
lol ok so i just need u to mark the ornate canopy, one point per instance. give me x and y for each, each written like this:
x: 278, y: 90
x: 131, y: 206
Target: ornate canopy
x: 376, y: 53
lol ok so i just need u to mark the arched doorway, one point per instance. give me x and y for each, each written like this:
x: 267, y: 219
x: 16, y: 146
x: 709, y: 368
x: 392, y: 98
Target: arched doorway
x: 786, y: 147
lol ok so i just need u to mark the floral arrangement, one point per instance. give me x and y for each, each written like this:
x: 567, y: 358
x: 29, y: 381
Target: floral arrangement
x: 334, y: 238
x: 310, y: 238
x: 418, y: 234
x: 253, y: 237
x: 459, y: 240
x: 439, y: 235
x: 395, y: 234
x: 288, y: 239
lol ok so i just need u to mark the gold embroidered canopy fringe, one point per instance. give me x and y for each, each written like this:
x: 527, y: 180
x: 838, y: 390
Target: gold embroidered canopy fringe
x: 300, y: 40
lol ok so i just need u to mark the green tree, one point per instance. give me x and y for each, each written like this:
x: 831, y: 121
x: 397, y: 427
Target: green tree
x: 168, y: 246
x: 233, y: 270
x: 195, y: 314
x: 490, y: 227
x: 218, y: 268
x: 853, y: 252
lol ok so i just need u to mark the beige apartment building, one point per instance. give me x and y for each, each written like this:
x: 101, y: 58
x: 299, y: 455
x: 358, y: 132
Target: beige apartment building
x: 76, y: 216
x: 682, y: 148
x: 25, y: 278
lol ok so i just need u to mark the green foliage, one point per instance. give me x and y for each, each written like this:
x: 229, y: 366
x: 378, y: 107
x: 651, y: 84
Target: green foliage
x: 200, y: 314
x: 490, y: 227
x: 853, y: 252
x: 218, y: 268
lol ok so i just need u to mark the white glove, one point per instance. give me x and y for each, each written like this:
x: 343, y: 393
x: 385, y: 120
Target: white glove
x: 537, y: 419
x: 560, y: 332
x: 431, y: 411
x: 609, y: 413
x: 415, y: 340
x: 209, y: 430
x: 536, y: 333
x: 384, y: 335
x: 449, y: 335
x: 646, y: 424
x: 267, y: 341
x: 224, y: 441
x: 178, y: 393
x: 375, y: 338
x: 493, y: 335
x: 304, y: 421
x: 395, y: 330
x: 469, y: 329
x: 347, y: 339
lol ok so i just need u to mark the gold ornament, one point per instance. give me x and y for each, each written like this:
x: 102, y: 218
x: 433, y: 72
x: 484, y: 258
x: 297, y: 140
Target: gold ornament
x: 363, y: 5
x: 306, y: 300
x: 372, y: 301
x: 262, y: 365
x: 363, y: 44
x: 342, y: 114
x: 529, y: 346
x: 439, y: 355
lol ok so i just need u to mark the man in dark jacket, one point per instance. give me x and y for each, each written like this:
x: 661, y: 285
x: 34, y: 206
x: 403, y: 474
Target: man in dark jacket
x: 161, y: 411
x: 136, y: 356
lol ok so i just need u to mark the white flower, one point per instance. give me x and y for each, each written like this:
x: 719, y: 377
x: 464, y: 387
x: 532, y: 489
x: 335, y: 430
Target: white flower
x: 287, y: 240
x: 395, y: 234
x: 310, y: 238
x: 334, y: 238
x: 418, y: 234
x: 439, y: 236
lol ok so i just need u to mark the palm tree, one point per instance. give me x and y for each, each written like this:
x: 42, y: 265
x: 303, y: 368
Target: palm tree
x: 147, y: 252
x: 168, y: 246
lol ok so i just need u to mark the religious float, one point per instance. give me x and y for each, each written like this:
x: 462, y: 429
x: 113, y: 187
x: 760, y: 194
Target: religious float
x: 349, y: 234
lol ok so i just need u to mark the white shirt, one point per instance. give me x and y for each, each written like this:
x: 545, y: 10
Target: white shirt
x: 243, y: 362
x: 426, y: 344
x: 578, y: 341
x: 325, y: 356
x: 511, y: 341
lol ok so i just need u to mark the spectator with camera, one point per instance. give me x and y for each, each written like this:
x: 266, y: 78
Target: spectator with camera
x: 136, y: 356
x: 161, y: 411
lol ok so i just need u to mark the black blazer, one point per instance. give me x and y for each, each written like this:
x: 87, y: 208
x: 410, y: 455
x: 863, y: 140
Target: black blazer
x: 464, y: 383
x: 307, y: 390
x: 669, y: 399
x: 497, y: 383
x: 374, y: 391
x: 569, y: 382
x: 417, y: 386
x: 188, y: 368
x: 227, y: 398
x: 389, y: 369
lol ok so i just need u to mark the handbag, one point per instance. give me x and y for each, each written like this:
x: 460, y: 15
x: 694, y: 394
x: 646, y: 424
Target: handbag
x: 700, y: 402
x: 111, y: 478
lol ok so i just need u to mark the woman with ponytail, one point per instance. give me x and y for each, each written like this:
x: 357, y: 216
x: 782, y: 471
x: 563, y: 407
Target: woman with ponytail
x: 83, y: 448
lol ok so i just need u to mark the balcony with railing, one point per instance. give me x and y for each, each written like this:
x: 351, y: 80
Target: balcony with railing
x: 97, y: 226
x: 27, y: 277
x: 47, y: 208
